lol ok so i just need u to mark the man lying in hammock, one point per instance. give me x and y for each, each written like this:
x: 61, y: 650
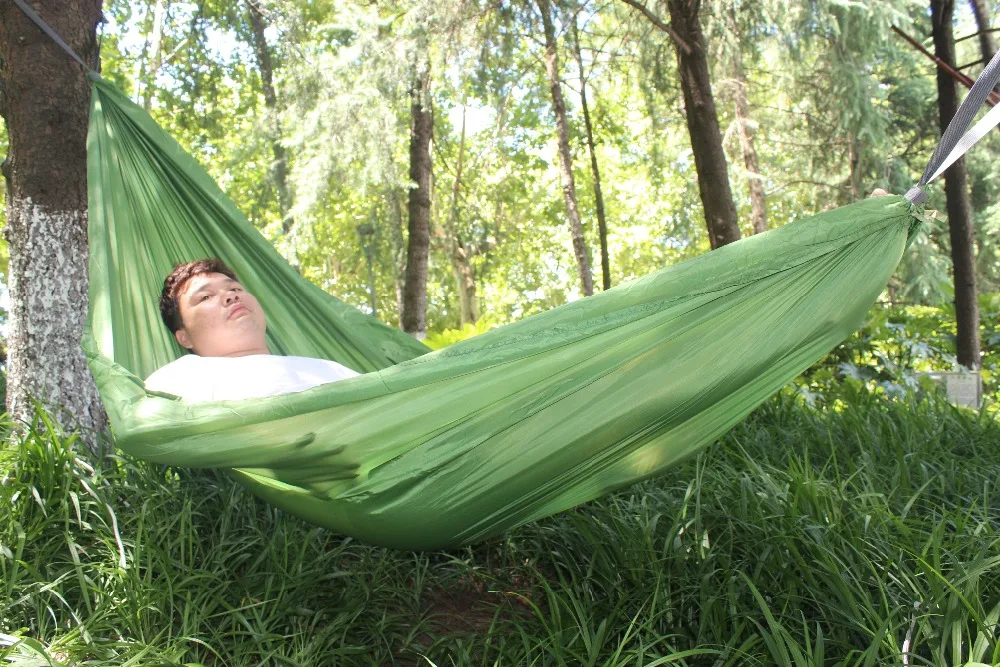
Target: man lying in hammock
x: 222, y: 325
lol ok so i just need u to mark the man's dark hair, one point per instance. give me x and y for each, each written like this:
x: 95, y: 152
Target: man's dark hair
x: 169, y: 308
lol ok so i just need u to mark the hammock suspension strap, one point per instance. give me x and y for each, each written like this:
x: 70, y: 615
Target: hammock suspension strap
x: 47, y: 29
x: 958, y: 138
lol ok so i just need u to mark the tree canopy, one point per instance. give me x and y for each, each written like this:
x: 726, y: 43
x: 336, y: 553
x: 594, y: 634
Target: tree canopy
x: 834, y: 103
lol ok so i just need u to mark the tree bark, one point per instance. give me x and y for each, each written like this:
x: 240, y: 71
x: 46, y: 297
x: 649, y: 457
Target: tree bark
x: 461, y: 254
x: 986, y: 43
x: 703, y: 124
x: 398, y: 250
x: 854, y: 159
x: 419, y: 207
x: 279, y: 168
x: 758, y: 201
x: 957, y: 192
x: 565, y: 159
x: 465, y: 278
x: 602, y: 223
x: 46, y: 102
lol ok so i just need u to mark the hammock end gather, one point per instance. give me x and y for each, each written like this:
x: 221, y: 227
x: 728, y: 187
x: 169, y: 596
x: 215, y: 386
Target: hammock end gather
x: 915, y: 195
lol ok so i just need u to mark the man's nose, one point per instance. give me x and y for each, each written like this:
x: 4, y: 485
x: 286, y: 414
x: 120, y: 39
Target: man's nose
x: 232, y: 296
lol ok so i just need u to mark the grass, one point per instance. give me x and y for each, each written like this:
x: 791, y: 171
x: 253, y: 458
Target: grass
x: 807, y: 536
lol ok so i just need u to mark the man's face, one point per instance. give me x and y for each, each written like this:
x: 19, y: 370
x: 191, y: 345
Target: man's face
x: 220, y: 318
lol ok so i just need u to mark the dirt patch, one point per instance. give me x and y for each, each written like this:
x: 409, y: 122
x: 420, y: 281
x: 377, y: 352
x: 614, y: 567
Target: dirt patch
x: 477, y: 606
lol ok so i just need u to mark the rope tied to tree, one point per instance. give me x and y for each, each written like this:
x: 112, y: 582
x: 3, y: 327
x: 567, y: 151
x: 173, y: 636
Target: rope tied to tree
x: 958, y: 138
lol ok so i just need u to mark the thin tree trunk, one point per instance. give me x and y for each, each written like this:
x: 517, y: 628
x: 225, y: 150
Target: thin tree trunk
x: 758, y: 201
x: 986, y: 43
x: 156, y: 53
x: 398, y: 251
x: 45, y: 102
x: 703, y: 124
x: 461, y: 260
x: 366, y: 233
x: 465, y: 277
x: 602, y: 223
x: 565, y: 160
x: 279, y: 168
x: 957, y: 192
x: 854, y: 158
x: 419, y: 207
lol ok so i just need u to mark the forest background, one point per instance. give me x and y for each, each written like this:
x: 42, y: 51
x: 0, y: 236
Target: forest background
x: 302, y: 111
x: 831, y: 526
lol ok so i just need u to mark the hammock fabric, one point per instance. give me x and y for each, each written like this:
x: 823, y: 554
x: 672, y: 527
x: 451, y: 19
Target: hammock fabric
x: 438, y: 449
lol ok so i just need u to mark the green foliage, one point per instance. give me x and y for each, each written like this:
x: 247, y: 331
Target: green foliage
x: 808, y: 536
x: 985, y: 189
x: 205, y: 94
x: 845, y: 519
x: 440, y: 339
x: 897, y: 346
x: 839, y: 104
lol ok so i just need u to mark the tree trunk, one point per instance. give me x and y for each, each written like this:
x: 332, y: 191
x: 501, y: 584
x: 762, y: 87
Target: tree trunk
x: 602, y: 223
x: 957, y: 193
x: 986, y: 43
x: 703, y: 124
x: 758, y: 201
x: 461, y: 260
x: 419, y: 207
x: 155, y: 47
x: 398, y: 251
x: 565, y: 160
x: 465, y: 278
x: 854, y: 158
x: 45, y: 102
x: 279, y: 169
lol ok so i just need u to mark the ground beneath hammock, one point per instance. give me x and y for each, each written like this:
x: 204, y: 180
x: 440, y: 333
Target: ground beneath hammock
x: 474, y: 607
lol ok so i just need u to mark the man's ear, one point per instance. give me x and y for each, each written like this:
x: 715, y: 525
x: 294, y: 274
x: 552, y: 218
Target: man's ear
x: 184, y: 339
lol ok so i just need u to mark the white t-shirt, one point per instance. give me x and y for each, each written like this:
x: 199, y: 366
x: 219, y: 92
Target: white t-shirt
x: 195, y: 378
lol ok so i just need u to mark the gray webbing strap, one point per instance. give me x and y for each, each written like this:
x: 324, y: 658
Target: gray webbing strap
x: 978, y: 131
x: 956, y: 140
x: 31, y: 14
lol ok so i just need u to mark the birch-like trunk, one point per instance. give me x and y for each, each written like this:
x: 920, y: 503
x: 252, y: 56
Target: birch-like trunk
x: 565, y: 159
x: 45, y: 103
x: 956, y: 190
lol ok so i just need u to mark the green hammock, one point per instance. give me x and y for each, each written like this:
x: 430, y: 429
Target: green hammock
x: 438, y: 449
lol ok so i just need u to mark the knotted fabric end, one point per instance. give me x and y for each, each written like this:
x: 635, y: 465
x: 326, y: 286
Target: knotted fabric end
x: 915, y: 195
